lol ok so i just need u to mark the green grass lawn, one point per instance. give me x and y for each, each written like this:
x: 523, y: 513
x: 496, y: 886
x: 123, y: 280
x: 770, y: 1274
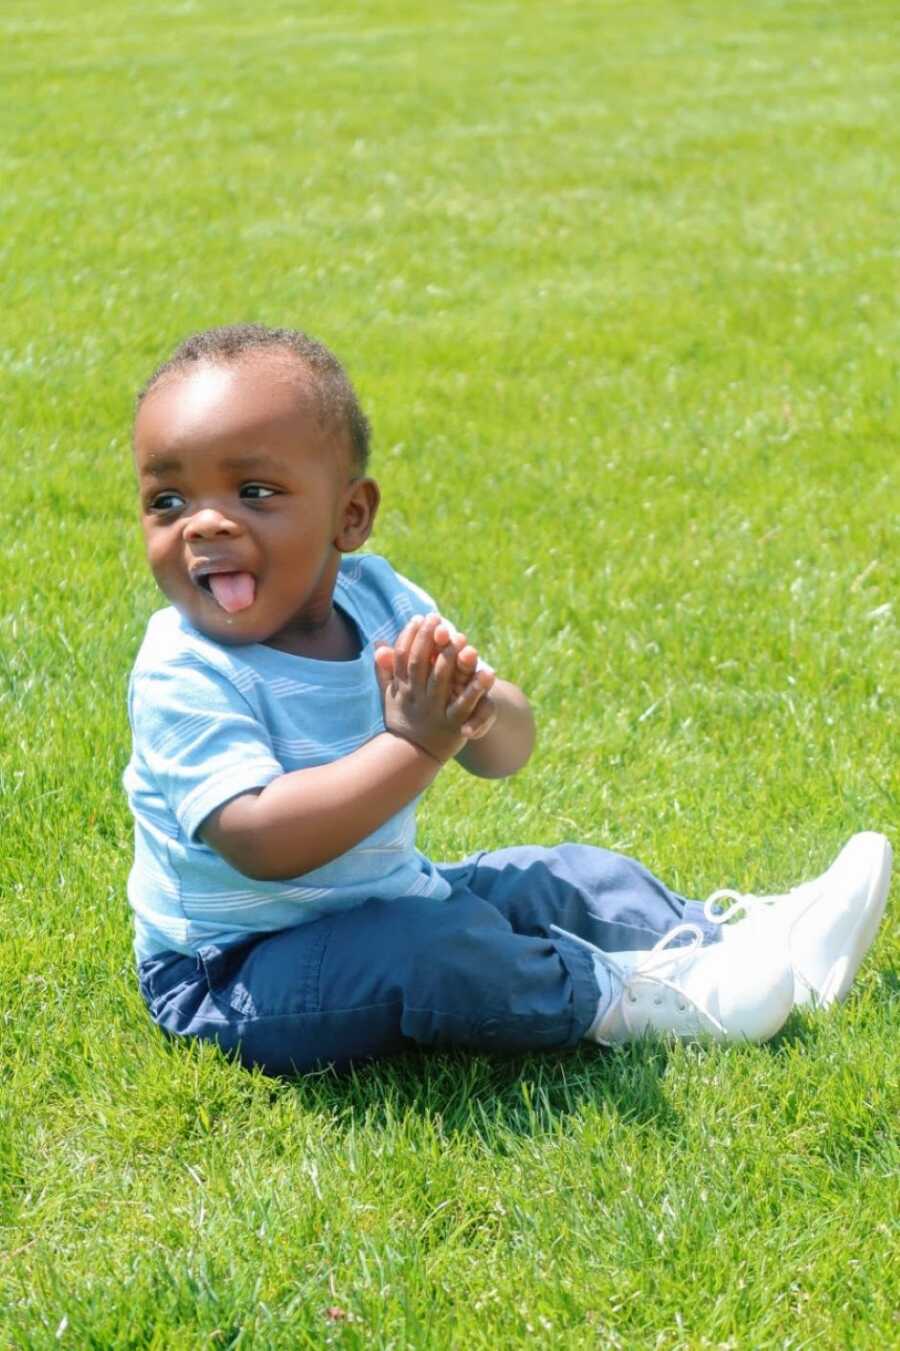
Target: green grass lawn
x: 618, y: 285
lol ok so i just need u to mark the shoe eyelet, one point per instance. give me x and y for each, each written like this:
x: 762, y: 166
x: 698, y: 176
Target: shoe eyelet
x: 632, y: 998
x: 658, y: 1000
x: 681, y: 1007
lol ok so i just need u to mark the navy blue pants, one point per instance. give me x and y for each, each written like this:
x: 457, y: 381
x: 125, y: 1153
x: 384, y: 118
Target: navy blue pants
x: 480, y: 969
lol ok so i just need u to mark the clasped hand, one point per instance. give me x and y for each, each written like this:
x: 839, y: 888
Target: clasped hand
x: 434, y: 694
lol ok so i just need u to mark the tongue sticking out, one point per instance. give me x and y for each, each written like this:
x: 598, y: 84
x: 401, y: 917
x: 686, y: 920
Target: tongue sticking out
x: 233, y: 590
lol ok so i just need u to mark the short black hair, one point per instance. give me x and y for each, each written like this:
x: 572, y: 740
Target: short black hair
x: 232, y: 341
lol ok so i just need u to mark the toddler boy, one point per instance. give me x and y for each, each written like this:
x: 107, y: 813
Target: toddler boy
x: 288, y: 710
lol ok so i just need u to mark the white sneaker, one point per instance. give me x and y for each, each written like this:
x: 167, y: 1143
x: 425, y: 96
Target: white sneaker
x: 719, y: 991
x: 826, y: 926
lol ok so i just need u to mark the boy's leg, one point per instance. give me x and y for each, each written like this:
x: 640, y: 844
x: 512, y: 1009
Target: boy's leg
x: 375, y: 980
x: 670, y: 972
x: 608, y: 899
x: 822, y: 928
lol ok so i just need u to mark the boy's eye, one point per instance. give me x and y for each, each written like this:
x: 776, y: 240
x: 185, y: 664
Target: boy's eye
x: 167, y: 502
x: 256, y: 492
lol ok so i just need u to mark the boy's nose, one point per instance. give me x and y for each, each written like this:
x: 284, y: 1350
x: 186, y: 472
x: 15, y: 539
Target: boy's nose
x: 207, y: 523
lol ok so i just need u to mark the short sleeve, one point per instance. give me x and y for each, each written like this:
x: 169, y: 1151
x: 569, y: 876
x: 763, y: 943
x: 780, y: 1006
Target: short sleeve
x: 384, y: 600
x: 198, y: 738
x: 418, y: 602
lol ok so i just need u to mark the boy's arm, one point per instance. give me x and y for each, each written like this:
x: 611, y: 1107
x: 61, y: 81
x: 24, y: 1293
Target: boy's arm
x: 304, y: 819
x: 500, y: 728
x: 508, y: 739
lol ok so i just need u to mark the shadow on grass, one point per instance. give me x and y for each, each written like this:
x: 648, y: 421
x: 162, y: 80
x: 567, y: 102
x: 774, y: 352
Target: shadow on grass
x: 539, y: 1095
x: 536, y: 1095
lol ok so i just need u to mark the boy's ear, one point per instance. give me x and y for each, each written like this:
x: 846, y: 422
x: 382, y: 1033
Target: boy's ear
x: 358, y: 516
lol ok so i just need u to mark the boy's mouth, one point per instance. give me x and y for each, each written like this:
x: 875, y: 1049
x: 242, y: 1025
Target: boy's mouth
x: 232, y: 591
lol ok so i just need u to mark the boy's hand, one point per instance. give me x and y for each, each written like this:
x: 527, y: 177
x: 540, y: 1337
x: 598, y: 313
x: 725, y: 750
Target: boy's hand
x: 417, y: 677
x: 467, y: 680
x: 502, y: 710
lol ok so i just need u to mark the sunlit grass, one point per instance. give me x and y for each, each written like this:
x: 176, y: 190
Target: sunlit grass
x: 617, y: 284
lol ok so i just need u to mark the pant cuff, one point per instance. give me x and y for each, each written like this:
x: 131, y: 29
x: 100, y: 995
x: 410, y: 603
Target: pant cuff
x: 587, y: 996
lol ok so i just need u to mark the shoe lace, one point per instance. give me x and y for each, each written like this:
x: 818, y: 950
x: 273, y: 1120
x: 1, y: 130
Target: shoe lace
x: 740, y: 902
x: 746, y: 902
x: 662, y: 954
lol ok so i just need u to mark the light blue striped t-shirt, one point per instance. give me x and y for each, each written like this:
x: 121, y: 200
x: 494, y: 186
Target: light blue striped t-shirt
x: 210, y: 722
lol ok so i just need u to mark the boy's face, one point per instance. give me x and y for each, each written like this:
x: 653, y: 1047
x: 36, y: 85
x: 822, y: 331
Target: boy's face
x: 247, y: 500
